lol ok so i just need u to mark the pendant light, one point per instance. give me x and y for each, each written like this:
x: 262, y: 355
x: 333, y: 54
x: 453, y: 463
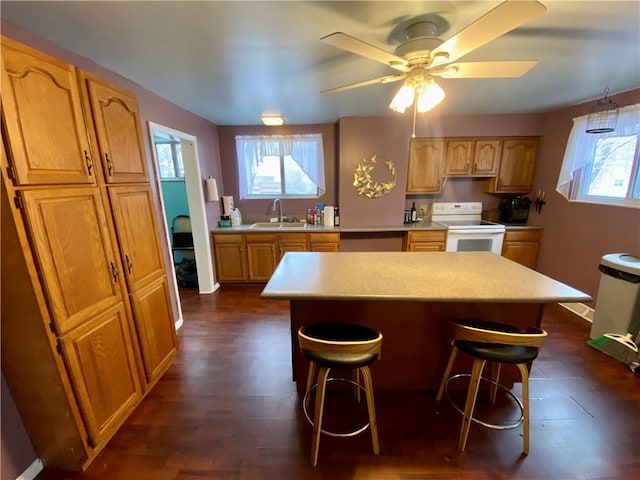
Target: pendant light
x: 603, y: 116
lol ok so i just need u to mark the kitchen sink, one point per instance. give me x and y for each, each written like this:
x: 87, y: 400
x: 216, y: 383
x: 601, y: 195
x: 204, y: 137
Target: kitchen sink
x: 274, y: 225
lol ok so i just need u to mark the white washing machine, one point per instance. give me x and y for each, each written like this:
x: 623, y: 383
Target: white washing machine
x: 618, y: 302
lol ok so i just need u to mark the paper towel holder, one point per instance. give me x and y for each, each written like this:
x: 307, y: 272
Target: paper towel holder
x: 212, y: 189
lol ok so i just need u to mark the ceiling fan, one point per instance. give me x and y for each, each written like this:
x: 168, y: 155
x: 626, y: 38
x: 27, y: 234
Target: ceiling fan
x: 423, y: 56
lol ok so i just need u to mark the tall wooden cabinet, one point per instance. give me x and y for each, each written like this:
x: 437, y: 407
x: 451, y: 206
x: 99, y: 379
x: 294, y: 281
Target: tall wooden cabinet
x: 87, y: 320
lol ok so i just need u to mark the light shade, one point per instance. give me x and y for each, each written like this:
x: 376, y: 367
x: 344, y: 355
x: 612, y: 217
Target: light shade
x: 427, y: 92
x: 272, y: 120
x: 429, y: 95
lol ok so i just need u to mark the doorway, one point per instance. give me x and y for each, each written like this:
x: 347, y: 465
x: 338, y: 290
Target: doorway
x: 188, y: 174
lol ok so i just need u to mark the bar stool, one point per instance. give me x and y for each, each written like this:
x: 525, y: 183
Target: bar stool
x: 339, y: 345
x: 500, y: 344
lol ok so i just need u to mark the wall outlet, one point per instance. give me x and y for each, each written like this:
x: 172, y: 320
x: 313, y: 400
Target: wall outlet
x: 424, y: 209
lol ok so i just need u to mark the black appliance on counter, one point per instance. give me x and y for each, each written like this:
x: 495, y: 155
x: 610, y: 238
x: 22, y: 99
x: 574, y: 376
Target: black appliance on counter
x: 514, y: 209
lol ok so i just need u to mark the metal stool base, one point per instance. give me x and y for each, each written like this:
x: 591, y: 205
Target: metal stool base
x: 480, y: 422
x: 327, y: 432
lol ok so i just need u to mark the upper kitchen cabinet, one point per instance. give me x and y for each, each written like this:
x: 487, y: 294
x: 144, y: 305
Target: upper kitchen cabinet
x: 73, y: 249
x: 46, y: 134
x: 136, y: 227
x: 472, y: 157
x: 426, y: 165
x: 516, y: 166
x: 117, y: 129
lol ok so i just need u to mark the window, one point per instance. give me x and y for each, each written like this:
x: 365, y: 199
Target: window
x: 169, y: 156
x: 286, y: 166
x: 603, y: 168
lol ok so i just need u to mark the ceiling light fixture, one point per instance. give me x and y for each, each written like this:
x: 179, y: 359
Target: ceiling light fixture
x: 421, y: 88
x: 272, y: 120
x: 603, y: 116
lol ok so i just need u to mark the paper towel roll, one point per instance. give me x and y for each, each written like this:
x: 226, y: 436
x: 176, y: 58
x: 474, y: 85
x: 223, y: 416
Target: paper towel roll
x: 328, y: 216
x: 212, y: 189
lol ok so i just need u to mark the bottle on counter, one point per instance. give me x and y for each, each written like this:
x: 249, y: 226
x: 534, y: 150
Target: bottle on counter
x: 414, y: 215
x: 336, y: 216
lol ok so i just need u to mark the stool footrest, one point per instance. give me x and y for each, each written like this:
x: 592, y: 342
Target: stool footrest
x: 328, y: 432
x: 478, y: 421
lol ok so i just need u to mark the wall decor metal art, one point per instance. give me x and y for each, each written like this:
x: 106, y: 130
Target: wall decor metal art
x: 363, y: 182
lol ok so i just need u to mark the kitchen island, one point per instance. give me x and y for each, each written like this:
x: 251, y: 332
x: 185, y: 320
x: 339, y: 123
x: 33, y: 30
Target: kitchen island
x: 410, y: 297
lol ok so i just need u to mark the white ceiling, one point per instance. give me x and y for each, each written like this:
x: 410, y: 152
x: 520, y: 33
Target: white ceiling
x: 231, y: 61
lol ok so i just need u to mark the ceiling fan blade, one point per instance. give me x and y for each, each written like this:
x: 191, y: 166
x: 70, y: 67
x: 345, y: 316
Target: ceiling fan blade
x: 387, y: 79
x: 502, y: 19
x: 353, y: 45
x: 506, y: 69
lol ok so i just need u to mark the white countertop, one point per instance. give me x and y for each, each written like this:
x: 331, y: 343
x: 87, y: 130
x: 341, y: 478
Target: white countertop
x: 414, y: 276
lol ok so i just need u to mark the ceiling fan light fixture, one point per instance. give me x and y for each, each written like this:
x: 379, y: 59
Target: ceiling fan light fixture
x: 429, y: 95
x: 272, y: 120
x: 403, y: 98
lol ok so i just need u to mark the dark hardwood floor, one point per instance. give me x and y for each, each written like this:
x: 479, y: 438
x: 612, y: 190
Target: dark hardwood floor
x: 227, y: 410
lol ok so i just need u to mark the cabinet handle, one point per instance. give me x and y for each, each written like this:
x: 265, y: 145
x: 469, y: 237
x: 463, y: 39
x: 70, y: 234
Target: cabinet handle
x: 87, y: 159
x: 129, y: 264
x: 114, y: 272
x: 109, y: 164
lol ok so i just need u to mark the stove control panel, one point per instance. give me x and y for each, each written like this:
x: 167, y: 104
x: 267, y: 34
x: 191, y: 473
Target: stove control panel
x: 462, y: 208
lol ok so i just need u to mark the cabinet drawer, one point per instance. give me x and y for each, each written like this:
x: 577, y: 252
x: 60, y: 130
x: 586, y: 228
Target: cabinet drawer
x: 523, y: 235
x: 227, y: 238
x: 261, y: 238
x: 428, y: 236
x: 293, y: 237
x: 324, y: 237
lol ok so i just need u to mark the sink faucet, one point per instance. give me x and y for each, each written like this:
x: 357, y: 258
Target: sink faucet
x: 279, y: 202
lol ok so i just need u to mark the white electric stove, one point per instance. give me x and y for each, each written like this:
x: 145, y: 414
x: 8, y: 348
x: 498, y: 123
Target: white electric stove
x: 466, y: 231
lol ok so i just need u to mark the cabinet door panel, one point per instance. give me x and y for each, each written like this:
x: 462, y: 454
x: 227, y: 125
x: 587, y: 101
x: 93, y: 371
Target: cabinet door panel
x: 138, y: 234
x: 74, y: 250
x: 101, y: 365
x: 486, y: 157
x: 43, y: 117
x: 517, y: 165
x: 261, y: 260
x: 117, y: 122
x: 458, y: 159
x: 156, y: 327
x: 230, y: 261
x: 426, y: 166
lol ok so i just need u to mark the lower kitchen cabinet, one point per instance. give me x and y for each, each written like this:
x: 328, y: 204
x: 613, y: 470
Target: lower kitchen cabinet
x: 253, y: 257
x: 425, y: 241
x: 292, y: 242
x: 324, y: 242
x: 101, y: 363
x: 522, y: 246
x: 230, y: 257
x: 261, y: 256
x: 155, y: 328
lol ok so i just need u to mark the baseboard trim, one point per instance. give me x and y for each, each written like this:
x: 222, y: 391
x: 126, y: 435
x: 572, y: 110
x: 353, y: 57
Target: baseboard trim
x: 580, y: 309
x: 32, y: 471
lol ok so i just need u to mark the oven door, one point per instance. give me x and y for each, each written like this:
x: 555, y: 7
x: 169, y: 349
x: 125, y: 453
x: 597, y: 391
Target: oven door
x: 475, y: 240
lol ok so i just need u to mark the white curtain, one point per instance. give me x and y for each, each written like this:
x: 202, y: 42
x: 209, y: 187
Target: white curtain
x: 305, y: 150
x: 581, y: 146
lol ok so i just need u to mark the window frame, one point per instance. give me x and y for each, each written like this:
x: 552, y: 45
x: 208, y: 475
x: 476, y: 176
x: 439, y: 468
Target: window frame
x: 281, y: 147
x: 574, y: 181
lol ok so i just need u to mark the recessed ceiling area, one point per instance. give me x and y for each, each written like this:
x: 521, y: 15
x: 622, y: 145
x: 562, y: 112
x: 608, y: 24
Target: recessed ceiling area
x: 230, y: 62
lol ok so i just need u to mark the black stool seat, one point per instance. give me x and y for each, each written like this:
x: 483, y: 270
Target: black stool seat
x: 340, y: 332
x: 496, y: 352
x: 341, y: 360
x: 339, y: 345
x: 497, y: 343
